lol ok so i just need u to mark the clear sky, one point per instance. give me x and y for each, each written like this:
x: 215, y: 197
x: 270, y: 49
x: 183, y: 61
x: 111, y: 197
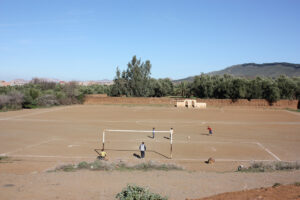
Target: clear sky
x: 88, y: 39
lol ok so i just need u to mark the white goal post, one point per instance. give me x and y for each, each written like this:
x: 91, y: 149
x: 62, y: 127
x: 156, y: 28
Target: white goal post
x: 171, y: 131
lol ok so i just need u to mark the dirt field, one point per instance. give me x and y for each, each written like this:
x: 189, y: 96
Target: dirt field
x: 40, y: 139
x: 287, y: 192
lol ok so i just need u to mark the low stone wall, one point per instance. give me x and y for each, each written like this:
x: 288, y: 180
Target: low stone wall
x: 252, y: 103
x: 96, y: 99
x: 100, y: 99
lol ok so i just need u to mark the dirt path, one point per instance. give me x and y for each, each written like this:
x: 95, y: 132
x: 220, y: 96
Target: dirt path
x: 105, y: 185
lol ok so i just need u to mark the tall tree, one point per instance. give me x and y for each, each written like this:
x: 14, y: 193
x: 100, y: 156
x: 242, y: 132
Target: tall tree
x: 135, y: 81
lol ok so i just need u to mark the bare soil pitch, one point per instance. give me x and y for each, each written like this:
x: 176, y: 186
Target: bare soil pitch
x: 38, y: 140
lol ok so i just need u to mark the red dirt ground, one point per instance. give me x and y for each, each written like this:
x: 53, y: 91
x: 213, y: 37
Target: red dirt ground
x: 286, y: 192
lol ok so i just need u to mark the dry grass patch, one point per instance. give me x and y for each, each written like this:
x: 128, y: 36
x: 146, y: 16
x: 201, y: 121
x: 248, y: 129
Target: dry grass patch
x: 120, y: 166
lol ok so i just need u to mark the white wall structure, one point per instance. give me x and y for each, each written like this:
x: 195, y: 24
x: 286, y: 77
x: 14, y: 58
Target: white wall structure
x: 190, y: 103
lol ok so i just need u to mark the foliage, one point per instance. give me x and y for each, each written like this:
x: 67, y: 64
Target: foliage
x: 138, y: 193
x: 271, y: 166
x: 135, y: 81
x: 276, y: 185
x: 121, y: 166
x: 297, y: 184
x: 40, y: 93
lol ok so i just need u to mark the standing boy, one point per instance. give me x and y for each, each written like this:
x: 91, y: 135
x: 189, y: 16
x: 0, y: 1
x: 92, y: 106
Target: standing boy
x: 142, y: 149
x: 209, y: 130
x: 153, y: 133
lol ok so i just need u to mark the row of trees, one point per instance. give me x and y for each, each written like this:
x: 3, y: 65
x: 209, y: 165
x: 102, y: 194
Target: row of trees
x: 136, y: 81
x: 40, y: 93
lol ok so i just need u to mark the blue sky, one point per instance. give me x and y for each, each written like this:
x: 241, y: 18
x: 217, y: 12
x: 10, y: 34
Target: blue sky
x: 88, y: 39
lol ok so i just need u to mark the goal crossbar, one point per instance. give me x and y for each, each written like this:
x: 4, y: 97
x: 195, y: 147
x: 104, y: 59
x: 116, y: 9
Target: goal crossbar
x: 136, y: 131
x: 171, y: 131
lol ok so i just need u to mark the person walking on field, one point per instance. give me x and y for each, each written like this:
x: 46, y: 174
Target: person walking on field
x: 142, y: 149
x: 209, y: 130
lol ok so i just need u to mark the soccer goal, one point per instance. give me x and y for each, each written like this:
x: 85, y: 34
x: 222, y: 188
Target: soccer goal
x: 109, y: 131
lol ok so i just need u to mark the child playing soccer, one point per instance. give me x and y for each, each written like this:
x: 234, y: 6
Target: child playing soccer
x: 209, y: 130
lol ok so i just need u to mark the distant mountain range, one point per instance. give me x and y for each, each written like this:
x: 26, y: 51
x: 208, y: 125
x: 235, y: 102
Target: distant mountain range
x: 251, y: 70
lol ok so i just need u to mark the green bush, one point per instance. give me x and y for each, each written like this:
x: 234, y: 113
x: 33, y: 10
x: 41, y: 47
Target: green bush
x: 83, y: 165
x: 297, y: 184
x: 276, y: 185
x: 271, y: 166
x: 133, y: 192
x: 121, y: 166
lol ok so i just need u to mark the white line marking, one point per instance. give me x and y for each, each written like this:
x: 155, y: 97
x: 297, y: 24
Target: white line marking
x: 267, y: 150
x: 52, y: 156
x: 162, y: 159
x: 34, y: 113
x: 73, y: 145
x: 135, y: 131
x: 292, y: 112
x: 29, y: 146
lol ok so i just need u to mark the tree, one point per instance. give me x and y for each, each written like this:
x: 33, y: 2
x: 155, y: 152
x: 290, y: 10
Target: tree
x: 287, y: 87
x: 238, y: 89
x: 161, y: 87
x: 270, y: 91
x: 135, y: 81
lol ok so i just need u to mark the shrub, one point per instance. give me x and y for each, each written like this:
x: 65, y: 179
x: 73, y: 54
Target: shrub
x: 272, y: 166
x: 276, y: 185
x: 3, y: 158
x: 4, y: 101
x: 108, y: 166
x: 83, y: 165
x: 138, y: 193
x: 297, y: 184
x: 47, y: 100
x: 16, y: 99
x: 67, y: 168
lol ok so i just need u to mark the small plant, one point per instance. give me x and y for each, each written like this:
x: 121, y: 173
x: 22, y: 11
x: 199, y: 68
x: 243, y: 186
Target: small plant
x: 67, y: 168
x: 138, y: 193
x: 83, y: 165
x: 276, y: 185
x: 3, y: 158
x: 297, y: 184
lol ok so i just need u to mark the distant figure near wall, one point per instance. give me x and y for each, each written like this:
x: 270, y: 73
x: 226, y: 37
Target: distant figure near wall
x: 190, y: 103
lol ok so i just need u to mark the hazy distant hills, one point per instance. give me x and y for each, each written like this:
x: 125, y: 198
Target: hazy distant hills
x: 251, y: 70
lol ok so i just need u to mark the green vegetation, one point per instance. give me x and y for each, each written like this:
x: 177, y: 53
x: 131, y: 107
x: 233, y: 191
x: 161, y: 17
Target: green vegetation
x: 3, y: 158
x: 276, y: 185
x: 297, y: 184
x: 294, y: 110
x: 136, y: 82
x: 138, y: 193
x: 269, y: 167
x: 39, y: 93
x: 120, y: 166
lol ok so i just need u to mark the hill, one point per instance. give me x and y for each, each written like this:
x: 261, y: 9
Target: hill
x: 251, y: 70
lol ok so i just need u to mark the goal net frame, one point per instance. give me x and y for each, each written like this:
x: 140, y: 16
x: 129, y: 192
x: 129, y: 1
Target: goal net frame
x: 171, y: 131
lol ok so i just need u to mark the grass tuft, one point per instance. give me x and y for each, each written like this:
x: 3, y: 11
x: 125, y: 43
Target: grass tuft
x: 276, y: 185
